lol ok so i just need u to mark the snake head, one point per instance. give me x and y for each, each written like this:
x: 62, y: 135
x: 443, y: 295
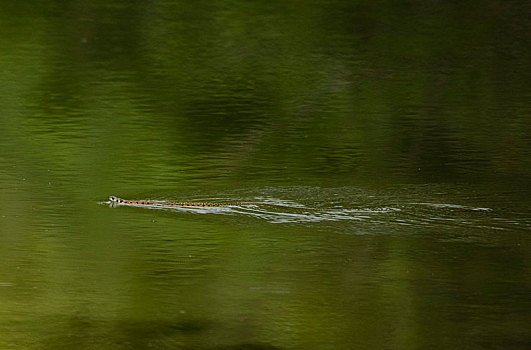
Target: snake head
x: 114, y: 201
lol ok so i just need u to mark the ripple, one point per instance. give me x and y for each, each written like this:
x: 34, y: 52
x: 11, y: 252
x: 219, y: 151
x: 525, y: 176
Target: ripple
x: 402, y: 210
x: 452, y: 206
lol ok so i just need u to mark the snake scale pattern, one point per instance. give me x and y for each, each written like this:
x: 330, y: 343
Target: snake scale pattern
x: 119, y: 201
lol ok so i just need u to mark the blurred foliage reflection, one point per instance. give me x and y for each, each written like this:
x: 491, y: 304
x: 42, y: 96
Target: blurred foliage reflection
x: 335, y: 105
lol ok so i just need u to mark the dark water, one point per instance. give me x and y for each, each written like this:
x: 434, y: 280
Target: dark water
x: 394, y: 139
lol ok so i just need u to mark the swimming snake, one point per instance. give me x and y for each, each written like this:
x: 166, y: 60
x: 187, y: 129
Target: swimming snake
x: 116, y: 201
x: 119, y: 201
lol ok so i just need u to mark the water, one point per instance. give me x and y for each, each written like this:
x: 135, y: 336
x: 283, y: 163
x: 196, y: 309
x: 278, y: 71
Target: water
x: 392, y: 139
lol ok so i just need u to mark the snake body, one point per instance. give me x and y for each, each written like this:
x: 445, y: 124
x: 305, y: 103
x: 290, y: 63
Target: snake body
x: 119, y: 201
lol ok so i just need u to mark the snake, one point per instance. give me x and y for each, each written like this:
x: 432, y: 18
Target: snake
x: 116, y: 201
x: 119, y: 201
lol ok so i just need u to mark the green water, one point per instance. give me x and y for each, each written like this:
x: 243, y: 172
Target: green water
x: 394, y: 138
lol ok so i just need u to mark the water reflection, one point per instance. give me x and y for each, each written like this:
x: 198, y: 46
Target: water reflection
x: 392, y: 140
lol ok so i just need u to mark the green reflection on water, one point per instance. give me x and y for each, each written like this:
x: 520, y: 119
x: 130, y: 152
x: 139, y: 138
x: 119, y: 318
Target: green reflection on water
x: 333, y: 105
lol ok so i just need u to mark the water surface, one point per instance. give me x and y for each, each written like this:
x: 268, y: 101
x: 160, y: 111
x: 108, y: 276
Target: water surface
x: 393, y: 141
